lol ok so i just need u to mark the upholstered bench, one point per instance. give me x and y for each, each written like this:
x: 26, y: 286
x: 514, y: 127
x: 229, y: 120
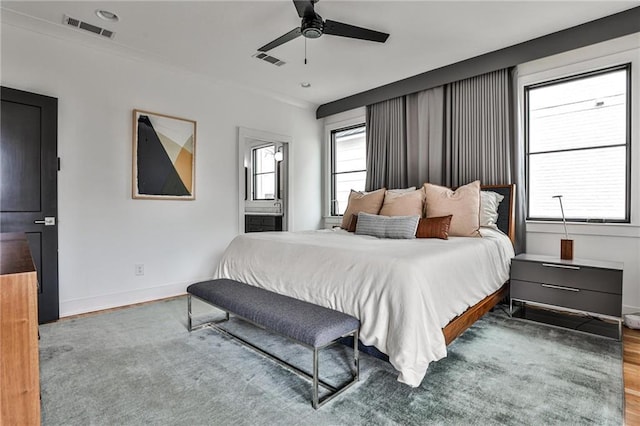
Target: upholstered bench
x: 310, y: 325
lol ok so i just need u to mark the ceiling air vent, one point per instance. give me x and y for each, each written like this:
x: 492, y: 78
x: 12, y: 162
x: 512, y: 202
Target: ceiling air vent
x: 272, y: 60
x: 76, y: 23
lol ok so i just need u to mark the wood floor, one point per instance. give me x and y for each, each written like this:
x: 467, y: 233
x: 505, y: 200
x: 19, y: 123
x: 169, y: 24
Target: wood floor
x: 632, y: 376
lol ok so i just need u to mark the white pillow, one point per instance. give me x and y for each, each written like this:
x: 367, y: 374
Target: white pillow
x: 401, y: 190
x: 489, y: 202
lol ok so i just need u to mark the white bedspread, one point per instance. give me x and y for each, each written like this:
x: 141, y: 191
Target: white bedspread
x: 403, y: 291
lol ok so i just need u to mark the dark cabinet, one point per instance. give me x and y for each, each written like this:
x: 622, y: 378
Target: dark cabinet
x: 261, y: 223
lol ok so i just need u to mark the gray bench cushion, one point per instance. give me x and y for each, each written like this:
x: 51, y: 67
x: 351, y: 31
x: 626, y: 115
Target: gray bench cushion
x: 305, y: 322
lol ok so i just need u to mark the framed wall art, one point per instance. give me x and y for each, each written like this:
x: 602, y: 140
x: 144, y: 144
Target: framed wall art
x: 164, y: 156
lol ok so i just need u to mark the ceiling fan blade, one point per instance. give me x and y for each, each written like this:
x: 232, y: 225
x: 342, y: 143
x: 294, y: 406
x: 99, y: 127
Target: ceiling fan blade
x: 294, y: 33
x: 304, y: 7
x: 346, y: 30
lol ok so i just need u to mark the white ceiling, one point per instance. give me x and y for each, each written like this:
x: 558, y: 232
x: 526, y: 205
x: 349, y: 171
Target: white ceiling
x: 216, y: 39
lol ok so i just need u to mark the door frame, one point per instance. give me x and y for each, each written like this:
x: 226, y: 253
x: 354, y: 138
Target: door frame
x: 48, y: 288
x: 246, y: 138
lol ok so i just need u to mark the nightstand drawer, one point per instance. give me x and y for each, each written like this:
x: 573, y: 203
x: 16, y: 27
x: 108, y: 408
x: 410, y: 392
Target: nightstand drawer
x: 563, y: 295
x: 580, y: 277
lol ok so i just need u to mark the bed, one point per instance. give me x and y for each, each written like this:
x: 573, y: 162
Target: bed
x: 413, y: 297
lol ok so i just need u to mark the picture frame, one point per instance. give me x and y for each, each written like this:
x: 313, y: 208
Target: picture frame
x: 164, y: 156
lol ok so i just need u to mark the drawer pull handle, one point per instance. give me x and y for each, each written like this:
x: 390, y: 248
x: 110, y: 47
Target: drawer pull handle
x: 559, y: 287
x: 555, y: 265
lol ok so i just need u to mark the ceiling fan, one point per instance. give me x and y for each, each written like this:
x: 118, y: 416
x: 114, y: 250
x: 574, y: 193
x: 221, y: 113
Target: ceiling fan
x: 313, y: 26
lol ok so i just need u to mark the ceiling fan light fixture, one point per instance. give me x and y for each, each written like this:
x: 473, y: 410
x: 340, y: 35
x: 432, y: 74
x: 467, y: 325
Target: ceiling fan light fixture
x: 312, y: 27
x: 107, y: 15
x: 312, y: 33
x: 305, y: 84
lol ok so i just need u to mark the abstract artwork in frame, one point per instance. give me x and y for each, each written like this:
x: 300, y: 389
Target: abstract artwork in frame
x: 164, y: 153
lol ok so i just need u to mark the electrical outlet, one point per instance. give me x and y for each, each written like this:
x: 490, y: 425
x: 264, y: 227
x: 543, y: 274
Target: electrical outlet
x: 139, y: 269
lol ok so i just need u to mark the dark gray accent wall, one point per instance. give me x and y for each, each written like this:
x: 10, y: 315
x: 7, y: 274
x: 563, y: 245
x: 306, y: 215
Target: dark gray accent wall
x: 607, y: 28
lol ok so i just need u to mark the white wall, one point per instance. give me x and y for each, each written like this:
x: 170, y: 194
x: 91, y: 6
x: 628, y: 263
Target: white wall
x: 617, y: 242
x: 103, y: 232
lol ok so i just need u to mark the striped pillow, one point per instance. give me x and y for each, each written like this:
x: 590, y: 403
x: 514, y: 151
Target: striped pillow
x: 386, y: 226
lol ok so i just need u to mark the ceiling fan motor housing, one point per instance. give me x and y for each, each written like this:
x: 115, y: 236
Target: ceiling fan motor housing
x: 312, y: 26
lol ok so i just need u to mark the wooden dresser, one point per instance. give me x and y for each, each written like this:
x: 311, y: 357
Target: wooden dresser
x: 19, y: 365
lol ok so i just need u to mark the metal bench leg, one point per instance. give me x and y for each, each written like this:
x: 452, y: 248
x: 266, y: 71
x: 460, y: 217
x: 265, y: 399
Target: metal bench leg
x: 190, y: 325
x: 315, y: 379
x: 335, y: 391
x: 356, y: 356
x: 189, y: 312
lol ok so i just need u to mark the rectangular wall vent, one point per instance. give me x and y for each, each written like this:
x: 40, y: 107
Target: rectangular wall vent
x: 272, y: 60
x: 76, y: 23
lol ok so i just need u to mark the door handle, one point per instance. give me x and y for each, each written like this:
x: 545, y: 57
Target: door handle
x: 47, y: 221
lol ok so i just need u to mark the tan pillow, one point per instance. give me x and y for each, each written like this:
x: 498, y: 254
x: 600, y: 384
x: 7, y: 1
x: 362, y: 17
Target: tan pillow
x: 434, y: 227
x: 368, y: 202
x: 463, y: 204
x: 403, y: 203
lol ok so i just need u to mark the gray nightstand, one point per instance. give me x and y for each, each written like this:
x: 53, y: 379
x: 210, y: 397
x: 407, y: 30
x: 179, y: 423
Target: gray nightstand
x: 582, y: 286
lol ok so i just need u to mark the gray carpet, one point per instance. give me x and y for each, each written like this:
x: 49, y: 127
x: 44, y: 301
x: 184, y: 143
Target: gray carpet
x: 140, y: 366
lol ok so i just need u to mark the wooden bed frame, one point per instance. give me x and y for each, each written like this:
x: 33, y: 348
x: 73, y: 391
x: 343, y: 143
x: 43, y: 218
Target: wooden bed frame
x: 463, y: 321
x: 459, y: 324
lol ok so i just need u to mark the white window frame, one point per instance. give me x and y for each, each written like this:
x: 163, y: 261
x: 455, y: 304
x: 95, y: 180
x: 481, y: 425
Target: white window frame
x: 576, y: 77
x: 591, y: 58
x: 336, y: 122
x: 251, y: 183
x: 334, y: 173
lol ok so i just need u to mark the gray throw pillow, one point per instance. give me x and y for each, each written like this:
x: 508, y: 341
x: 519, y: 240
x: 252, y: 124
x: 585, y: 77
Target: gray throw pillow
x: 387, y: 226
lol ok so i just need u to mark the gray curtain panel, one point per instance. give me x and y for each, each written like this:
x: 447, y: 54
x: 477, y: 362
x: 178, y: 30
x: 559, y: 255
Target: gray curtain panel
x: 518, y: 166
x: 478, y: 130
x: 450, y: 135
x: 425, y: 136
x: 481, y: 138
x: 386, y: 145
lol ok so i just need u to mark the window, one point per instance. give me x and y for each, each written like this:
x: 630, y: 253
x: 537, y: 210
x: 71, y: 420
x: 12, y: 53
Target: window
x: 348, y: 165
x: 264, y: 172
x: 577, y: 133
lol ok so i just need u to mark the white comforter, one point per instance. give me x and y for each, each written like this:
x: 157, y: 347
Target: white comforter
x: 403, y: 291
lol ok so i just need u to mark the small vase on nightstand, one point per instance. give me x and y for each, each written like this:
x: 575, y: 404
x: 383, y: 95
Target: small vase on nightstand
x: 566, y: 245
x: 566, y: 249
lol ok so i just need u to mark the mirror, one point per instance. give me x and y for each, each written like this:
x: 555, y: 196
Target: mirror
x: 263, y: 181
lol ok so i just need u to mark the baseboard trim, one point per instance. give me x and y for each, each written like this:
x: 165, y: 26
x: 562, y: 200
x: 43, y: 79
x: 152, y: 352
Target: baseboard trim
x: 102, y: 302
x: 626, y: 309
x: 116, y: 300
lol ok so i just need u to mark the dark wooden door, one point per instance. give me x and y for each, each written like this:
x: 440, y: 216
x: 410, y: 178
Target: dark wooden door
x: 29, y: 185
